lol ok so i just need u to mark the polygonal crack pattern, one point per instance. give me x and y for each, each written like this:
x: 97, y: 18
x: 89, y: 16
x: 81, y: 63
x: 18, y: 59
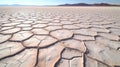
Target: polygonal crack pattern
x: 59, y: 37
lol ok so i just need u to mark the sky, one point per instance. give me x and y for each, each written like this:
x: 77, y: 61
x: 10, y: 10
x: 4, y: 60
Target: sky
x: 55, y: 2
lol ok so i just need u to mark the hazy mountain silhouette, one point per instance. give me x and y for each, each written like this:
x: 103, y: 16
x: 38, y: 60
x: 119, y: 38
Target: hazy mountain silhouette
x: 76, y: 4
x: 85, y: 4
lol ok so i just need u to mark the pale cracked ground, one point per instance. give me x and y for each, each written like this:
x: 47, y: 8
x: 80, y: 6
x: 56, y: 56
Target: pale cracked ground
x: 59, y: 36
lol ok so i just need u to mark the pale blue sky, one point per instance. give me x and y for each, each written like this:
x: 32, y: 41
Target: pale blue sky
x: 55, y: 2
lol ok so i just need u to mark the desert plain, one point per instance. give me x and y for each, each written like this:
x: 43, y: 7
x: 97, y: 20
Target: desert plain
x: 33, y: 36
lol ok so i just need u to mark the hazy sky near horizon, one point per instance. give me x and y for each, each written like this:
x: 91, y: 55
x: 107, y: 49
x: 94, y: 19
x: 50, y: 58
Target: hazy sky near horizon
x: 55, y: 2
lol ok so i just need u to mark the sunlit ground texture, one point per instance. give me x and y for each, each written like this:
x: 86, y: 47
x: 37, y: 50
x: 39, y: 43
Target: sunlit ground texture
x: 59, y: 36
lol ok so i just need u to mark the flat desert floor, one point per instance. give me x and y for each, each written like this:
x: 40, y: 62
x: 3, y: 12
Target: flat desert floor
x: 59, y: 36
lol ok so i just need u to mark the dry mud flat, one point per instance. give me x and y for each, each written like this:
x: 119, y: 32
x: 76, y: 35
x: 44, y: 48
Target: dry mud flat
x: 59, y: 36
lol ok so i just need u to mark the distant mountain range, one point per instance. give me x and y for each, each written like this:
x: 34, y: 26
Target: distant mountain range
x: 76, y: 4
x: 85, y: 4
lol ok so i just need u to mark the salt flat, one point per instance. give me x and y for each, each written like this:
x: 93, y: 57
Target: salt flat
x: 33, y: 36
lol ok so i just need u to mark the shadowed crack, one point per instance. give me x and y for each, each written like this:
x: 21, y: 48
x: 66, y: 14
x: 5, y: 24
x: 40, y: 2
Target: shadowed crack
x: 21, y: 40
x: 116, y: 66
x: 98, y: 60
x: 12, y: 54
x: 57, y: 63
x: 37, y: 58
x: 7, y: 39
x: 118, y: 48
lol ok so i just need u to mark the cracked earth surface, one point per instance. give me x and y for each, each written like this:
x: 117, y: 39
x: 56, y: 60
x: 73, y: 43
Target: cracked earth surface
x: 59, y: 36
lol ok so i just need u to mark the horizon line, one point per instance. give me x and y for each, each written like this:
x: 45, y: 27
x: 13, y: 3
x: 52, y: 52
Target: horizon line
x: 53, y: 4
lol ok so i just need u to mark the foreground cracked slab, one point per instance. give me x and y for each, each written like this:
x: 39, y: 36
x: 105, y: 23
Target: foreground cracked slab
x: 59, y: 36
